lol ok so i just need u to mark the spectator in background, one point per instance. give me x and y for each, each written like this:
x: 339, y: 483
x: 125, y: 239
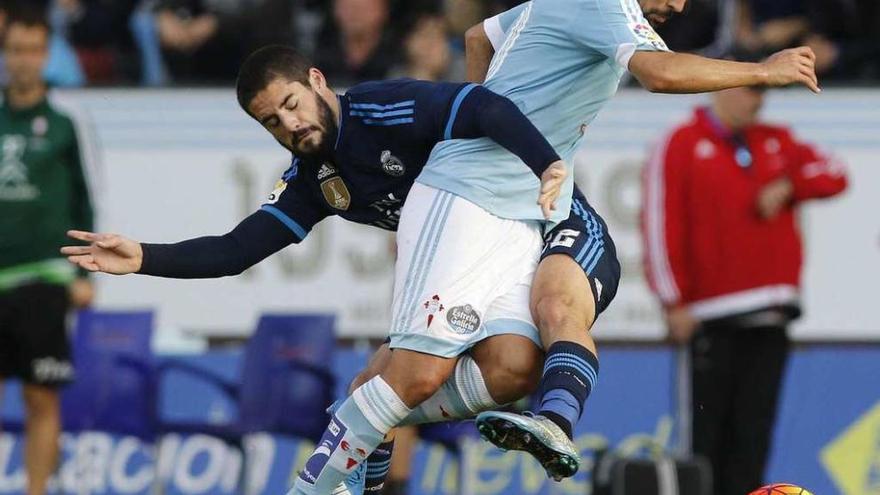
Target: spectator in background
x: 845, y: 38
x: 99, y: 31
x: 43, y: 193
x: 707, y: 28
x: 428, y: 54
x: 462, y: 14
x: 360, y: 47
x: 145, y: 35
x: 203, y: 41
x: 771, y: 26
x: 721, y: 197
x: 62, y: 68
x: 272, y: 22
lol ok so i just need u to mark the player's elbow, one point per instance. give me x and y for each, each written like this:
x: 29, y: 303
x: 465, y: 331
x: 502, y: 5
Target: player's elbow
x: 475, y: 38
x: 658, y: 82
x: 235, y: 269
x: 655, y: 71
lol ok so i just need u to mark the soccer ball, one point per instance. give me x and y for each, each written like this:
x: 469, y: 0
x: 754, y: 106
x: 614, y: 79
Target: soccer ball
x: 781, y: 489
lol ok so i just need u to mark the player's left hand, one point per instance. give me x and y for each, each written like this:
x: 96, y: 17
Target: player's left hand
x: 551, y: 185
x: 773, y: 197
x: 792, y: 66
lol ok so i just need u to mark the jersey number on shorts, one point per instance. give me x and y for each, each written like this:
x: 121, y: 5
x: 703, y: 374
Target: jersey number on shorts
x: 564, y: 238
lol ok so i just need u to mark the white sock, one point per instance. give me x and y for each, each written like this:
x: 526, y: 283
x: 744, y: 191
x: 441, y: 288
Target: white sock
x: 355, y: 430
x: 380, y: 404
x: 464, y: 395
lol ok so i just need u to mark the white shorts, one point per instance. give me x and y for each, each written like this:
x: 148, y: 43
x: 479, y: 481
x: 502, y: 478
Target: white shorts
x: 462, y: 274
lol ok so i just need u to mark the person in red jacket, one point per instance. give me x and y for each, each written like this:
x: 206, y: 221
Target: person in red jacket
x: 723, y: 255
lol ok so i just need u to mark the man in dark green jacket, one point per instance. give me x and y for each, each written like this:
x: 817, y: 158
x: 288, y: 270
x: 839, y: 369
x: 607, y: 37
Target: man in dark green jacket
x: 43, y: 193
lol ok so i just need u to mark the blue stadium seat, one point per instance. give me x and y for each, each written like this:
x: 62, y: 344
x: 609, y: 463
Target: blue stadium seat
x: 288, y: 367
x: 285, y: 385
x: 114, y: 390
x: 12, y: 410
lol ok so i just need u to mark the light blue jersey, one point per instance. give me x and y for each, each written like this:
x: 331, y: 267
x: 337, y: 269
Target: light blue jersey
x: 560, y: 61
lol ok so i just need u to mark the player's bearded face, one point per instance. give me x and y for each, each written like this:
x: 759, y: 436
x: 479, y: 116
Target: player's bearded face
x: 317, y: 130
x: 296, y: 116
x: 659, y: 11
x: 328, y: 129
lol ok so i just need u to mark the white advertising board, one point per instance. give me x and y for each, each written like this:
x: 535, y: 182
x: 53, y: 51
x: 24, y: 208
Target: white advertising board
x: 182, y: 163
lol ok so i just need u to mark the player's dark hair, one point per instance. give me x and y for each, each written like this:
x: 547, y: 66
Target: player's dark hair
x: 267, y: 64
x: 27, y: 15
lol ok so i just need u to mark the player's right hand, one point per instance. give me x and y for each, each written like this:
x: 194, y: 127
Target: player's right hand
x: 551, y: 186
x: 792, y: 66
x: 108, y: 253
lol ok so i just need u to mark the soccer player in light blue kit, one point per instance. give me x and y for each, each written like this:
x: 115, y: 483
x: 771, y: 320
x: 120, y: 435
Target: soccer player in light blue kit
x: 561, y: 61
x: 469, y: 225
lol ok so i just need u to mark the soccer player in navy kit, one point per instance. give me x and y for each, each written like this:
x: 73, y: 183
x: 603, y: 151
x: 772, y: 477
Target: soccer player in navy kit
x: 355, y: 156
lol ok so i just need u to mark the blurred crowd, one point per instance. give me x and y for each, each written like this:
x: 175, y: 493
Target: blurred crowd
x: 202, y: 42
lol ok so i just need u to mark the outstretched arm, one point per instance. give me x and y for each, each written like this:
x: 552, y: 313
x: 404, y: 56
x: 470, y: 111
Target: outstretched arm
x: 255, y: 238
x: 670, y: 72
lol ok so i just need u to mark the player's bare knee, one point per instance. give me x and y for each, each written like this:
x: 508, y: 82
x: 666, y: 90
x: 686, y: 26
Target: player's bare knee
x: 423, y: 384
x: 559, y: 311
x: 378, y: 362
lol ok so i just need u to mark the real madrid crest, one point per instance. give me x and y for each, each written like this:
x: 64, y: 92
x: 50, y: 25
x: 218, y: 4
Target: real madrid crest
x: 275, y: 195
x: 335, y: 192
x: 391, y: 164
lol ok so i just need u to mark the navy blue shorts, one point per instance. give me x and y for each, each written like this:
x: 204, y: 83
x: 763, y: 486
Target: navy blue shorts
x: 584, y: 237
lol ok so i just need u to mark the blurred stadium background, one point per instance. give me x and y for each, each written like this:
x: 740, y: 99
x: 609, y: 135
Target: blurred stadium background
x: 172, y: 157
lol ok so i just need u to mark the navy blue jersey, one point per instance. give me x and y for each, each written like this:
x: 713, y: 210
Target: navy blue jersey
x: 386, y: 132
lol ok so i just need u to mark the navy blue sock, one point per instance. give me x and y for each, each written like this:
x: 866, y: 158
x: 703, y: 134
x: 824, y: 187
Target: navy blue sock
x: 378, y: 465
x: 570, y: 372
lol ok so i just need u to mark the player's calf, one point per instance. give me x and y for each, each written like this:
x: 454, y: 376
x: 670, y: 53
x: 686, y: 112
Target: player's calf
x: 511, y: 366
x: 565, y: 312
x: 563, y: 306
x: 364, y: 418
x: 502, y: 369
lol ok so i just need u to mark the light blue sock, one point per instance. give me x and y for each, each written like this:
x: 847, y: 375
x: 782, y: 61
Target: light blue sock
x: 355, y: 430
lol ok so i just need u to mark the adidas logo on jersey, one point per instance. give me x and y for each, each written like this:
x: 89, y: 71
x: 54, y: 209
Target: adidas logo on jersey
x: 325, y: 171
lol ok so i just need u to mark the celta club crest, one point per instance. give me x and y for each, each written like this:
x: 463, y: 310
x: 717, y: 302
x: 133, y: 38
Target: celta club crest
x: 336, y: 193
x: 391, y: 164
x: 433, y: 306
